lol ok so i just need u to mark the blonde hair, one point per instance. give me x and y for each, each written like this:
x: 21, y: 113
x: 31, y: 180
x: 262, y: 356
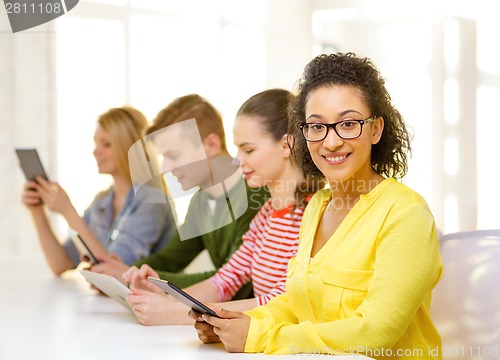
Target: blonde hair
x: 125, y: 126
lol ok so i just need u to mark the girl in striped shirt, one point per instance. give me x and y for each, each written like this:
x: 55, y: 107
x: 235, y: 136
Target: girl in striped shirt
x: 260, y: 133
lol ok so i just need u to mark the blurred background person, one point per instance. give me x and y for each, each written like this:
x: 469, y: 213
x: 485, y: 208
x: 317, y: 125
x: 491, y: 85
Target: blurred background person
x: 116, y: 222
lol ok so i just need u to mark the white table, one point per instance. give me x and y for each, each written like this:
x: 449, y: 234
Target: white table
x: 45, y: 317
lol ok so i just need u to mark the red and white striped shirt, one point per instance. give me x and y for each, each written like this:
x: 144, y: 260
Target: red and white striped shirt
x: 272, y: 239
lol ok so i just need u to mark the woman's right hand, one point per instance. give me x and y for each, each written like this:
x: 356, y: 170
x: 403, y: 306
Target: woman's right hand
x: 31, y: 197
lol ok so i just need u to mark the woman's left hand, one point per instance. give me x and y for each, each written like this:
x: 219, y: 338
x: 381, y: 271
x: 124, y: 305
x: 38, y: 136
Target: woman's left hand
x: 231, y: 327
x: 205, y: 330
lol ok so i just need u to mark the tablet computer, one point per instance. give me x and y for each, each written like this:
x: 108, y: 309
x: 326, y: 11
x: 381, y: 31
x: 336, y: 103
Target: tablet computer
x: 109, y: 286
x: 83, y: 249
x: 182, y: 296
x: 30, y: 163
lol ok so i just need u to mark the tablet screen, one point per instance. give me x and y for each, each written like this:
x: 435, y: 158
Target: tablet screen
x: 30, y: 163
x: 182, y: 296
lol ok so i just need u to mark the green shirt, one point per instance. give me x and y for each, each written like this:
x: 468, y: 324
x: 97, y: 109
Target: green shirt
x: 170, y: 261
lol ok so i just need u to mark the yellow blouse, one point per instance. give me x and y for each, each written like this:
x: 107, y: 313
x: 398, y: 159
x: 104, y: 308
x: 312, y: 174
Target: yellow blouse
x: 367, y: 290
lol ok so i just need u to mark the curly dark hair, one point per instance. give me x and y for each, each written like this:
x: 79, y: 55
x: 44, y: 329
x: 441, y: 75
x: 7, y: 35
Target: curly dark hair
x: 389, y: 155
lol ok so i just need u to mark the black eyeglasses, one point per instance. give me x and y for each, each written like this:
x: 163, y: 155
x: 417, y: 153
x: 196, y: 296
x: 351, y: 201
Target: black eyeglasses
x: 345, y: 129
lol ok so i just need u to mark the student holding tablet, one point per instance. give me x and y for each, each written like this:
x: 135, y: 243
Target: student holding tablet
x: 260, y: 133
x: 116, y: 222
x: 368, y: 257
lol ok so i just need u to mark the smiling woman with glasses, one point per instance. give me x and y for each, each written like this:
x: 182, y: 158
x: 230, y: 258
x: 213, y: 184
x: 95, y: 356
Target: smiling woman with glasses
x: 368, y: 255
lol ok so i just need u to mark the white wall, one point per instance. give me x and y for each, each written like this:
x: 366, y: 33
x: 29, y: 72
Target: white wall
x: 27, y: 118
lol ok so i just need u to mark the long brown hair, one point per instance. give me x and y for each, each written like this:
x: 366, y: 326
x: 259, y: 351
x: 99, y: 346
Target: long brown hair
x: 269, y: 108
